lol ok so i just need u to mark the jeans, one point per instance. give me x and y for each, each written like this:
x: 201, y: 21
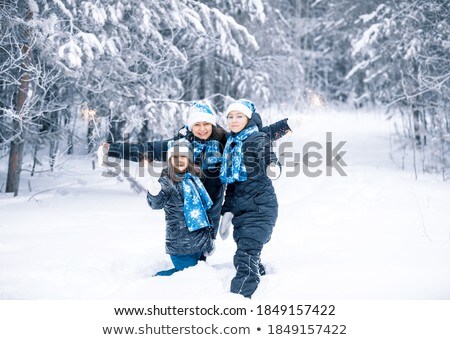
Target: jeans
x: 180, y: 262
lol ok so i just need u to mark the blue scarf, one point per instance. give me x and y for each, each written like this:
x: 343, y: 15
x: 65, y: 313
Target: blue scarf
x: 207, y: 153
x: 196, y: 203
x: 233, y: 167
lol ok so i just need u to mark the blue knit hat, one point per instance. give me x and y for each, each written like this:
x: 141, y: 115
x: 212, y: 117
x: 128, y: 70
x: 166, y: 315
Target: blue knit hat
x: 242, y: 105
x: 180, y: 147
x: 199, y: 112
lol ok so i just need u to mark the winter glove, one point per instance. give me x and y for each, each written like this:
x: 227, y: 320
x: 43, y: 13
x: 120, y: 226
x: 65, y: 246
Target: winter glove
x: 102, y: 154
x: 225, y: 224
x: 153, y: 171
x: 154, y: 188
x: 273, y: 171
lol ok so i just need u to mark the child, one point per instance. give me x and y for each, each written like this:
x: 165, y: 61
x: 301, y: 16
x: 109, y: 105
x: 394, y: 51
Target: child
x: 185, y: 201
x: 250, y: 201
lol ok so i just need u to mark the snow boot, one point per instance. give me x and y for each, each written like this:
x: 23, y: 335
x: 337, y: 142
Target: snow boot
x: 262, y: 270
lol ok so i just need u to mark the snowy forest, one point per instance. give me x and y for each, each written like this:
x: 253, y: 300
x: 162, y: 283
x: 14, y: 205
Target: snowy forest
x: 132, y: 67
x: 369, y: 79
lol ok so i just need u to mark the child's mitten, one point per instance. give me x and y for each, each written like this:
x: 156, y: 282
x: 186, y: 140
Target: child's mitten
x: 154, y: 170
x: 154, y: 187
x: 225, y: 225
x: 102, y: 154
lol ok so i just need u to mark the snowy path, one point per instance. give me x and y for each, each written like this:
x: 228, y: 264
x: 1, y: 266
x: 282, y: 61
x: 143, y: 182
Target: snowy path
x: 376, y: 233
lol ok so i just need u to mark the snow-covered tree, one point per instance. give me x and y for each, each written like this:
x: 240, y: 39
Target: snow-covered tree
x: 223, y: 51
x: 133, y: 60
x: 403, y: 55
x: 120, y: 63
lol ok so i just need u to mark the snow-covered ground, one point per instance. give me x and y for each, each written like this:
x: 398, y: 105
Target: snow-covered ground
x: 376, y: 233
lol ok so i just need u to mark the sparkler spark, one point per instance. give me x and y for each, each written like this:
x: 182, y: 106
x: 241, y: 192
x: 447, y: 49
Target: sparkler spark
x: 314, y: 99
x: 87, y: 113
x: 90, y: 115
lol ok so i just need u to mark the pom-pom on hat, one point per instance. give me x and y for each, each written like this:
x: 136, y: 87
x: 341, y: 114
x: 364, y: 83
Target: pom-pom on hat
x: 180, y: 147
x: 242, y: 105
x: 199, y: 112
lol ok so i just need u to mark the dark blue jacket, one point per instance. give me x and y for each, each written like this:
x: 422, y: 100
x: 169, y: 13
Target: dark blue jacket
x: 157, y: 150
x: 253, y: 202
x: 179, y: 240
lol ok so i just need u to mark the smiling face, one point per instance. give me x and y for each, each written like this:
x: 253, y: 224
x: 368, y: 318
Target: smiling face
x: 179, y: 163
x: 202, y: 130
x: 236, y: 121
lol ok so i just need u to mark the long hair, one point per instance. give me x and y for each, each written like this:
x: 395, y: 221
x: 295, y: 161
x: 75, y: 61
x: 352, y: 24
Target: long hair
x: 219, y: 134
x: 174, y: 175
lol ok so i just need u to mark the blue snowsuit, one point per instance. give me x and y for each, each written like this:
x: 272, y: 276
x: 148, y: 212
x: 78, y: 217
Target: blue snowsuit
x: 184, y: 247
x: 255, y: 208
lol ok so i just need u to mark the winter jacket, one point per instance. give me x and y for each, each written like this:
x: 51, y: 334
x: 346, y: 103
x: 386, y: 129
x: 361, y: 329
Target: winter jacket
x: 179, y: 240
x: 253, y: 202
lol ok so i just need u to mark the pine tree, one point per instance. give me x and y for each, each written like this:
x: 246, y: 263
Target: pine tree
x: 403, y: 56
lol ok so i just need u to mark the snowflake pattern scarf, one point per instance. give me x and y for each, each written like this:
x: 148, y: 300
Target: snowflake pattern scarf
x: 207, y: 153
x: 233, y: 167
x: 196, y: 203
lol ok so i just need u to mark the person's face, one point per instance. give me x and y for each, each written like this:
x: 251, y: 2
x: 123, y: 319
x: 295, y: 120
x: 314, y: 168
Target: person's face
x: 202, y: 130
x: 180, y: 163
x: 236, y: 121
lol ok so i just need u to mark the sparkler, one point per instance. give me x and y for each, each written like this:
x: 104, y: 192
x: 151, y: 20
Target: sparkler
x: 89, y: 114
x: 314, y: 99
x: 93, y: 132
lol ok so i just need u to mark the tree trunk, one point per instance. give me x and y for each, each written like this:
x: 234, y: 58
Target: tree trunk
x: 54, y: 143
x: 202, y: 76
x: 90, y: 135
x: 53, y: 151
x: 416, y: 125
x: 217, y: 87
x: 35, y: 160
x: 18, y: 143
x: 70, y: 135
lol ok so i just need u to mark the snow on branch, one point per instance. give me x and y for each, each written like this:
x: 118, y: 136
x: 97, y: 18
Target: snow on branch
x: 368, y: 37
x: 71, y: 53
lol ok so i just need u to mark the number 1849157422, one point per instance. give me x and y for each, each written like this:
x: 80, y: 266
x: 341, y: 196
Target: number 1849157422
x: 296, y: 310
x: 307, y: 329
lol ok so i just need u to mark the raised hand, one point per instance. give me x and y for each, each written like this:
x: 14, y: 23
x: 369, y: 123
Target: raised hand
x: 102, y: 154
